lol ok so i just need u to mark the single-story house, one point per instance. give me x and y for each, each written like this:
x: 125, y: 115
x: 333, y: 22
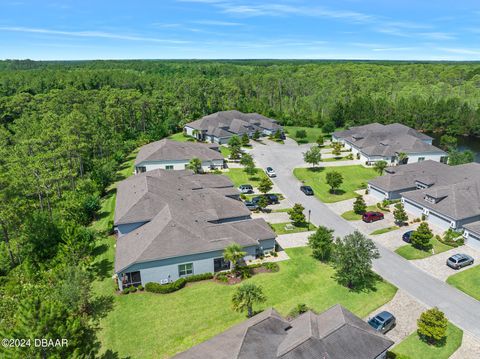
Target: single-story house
x: 447, y: 196
x: 172, y: 224
x: 334, y: 334
x: 173, y: 155
x: 394, y: 144
x: 219, y: 127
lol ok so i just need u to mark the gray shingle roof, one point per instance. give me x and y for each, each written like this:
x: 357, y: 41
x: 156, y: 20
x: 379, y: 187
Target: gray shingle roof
x: 168, y: 150
x: 228, y: 123
x: 182, y: 211
x: 387, y: 140
x: 473, y: 227
x: 333, y: 334
x: 456, y: 187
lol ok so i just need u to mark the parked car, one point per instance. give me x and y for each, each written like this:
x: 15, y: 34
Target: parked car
x: 270, y: 172
x: 406, y: 236
x: 245, y: 188
x: 383, y: 322
x: 307, y: 190
x: 271, y: 198
x: 370, y: 217
x: 251, y: 205
x: 459, y: 260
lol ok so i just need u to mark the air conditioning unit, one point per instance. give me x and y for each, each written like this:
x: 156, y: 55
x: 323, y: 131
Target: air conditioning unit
x: 164, y: 281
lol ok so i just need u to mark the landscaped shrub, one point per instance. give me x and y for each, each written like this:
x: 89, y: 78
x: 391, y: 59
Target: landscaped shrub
x: 221, y: 277
x: 271, y: 266
x: 243, y: 272
x: 132, y: 289
x: 298, y: 309
x: 350, y: 156
x: 275, y: 254
x: 140, y: 288
x: 165, y: 288
x: 450, y: 239
x: 199, y: 277
x: 126, y: 290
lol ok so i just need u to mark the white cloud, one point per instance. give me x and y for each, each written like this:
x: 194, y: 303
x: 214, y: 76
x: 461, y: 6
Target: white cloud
x: 217, y: 23
x: 92, y: 34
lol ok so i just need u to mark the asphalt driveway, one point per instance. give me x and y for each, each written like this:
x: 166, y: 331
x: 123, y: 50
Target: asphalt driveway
x: 460, y: 308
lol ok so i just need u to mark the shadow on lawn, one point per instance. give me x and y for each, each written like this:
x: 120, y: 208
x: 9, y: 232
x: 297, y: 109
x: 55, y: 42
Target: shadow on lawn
x: 110, y: 354
x: 369, y: 284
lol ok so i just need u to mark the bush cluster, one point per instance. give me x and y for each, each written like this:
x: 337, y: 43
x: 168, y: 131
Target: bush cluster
x: 199, y: 277
x: 165, y: 288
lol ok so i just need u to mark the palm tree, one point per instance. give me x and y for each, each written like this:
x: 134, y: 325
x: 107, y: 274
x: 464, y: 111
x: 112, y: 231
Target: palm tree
x: 233, y: 253
x: 380, y: 166
x: 195, y: 165
x: 402, y: 158
x: 245, y: 296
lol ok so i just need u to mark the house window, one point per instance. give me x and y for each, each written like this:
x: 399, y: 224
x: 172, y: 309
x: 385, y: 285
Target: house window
x: 420, y: 159
x: 141, y: 169
x: 220, y: 264
x: 185, y: 269
x: 169, y: 167
x: 131, y: 279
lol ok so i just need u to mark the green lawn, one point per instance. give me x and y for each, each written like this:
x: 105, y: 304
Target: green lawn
x: 413, y: 347
x: 335, y: 159
x: 281, y: 210
x: 145, y: 325
x: 467, y: 281
x: 225, y: 151
x: 352, y: 216
x: 410, y: 252
x: 239, y: 177
x: 354, y: 178
x: 312, y: 133
x: 180, y: 137
x: 384, y: 230
x: 279, y: 228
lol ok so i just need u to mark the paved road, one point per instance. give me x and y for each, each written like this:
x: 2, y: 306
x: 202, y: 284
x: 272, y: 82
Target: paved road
x: 460, y: 308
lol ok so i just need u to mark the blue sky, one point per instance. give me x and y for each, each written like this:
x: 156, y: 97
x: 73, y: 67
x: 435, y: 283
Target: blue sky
x: 206, y: 29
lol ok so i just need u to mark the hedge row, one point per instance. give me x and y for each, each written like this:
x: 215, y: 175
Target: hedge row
x: 165, y: 288
x: 199, y: 277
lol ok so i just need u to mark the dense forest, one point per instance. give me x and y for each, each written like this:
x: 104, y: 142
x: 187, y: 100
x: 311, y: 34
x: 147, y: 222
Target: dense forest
x: 65, y: 127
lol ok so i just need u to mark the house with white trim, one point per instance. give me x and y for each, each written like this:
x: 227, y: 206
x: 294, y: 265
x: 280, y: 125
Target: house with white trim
x: 219, y: 127
x: 172, y: 224
x: 394, y: 143
x: 447, y: 196
x: 173, y: 155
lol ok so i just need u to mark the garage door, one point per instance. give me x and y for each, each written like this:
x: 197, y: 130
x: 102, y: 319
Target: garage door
x: 473, y: 241
x: 413, y: 210
x: 380, y: 195
x: 438, y: 221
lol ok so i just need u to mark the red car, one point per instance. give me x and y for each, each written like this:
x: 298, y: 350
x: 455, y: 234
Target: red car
x: 370, y: 217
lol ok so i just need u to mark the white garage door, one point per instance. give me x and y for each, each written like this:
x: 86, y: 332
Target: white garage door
x: 438, y: 221
x: 473, y: 241
x: 377, y: 193
x: 413, y: 210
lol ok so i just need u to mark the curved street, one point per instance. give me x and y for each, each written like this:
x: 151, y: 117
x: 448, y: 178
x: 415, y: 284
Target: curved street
x: 460, y: 308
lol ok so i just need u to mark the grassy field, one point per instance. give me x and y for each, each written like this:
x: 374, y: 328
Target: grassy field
x: 312, y: 133
x: 354, y: 178
x: 384, y: 230
x: 352, y: 216
x: 145, y: 325
x: 279, y: 228
x: 467, y: 281
x: 180, y: 137
x: 414, y: 347
x: 410, y: 252
x: 239, y: 177
x: 225, y: 151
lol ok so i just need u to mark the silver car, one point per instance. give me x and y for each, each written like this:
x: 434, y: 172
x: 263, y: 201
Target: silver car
x: 270, y: 172
x: 460, y: 260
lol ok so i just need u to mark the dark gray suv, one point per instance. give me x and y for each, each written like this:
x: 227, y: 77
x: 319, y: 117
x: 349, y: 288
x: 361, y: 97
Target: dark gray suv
x: 382, y: 322
x: 460, y: 260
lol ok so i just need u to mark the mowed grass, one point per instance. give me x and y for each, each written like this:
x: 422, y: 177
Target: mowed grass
x: 410, y: 252
x: 312, y: 133
x: 414, y: 347
x: 239, y: 176
x: 384, y: 230
x: 279, y: 228
x: 354, y: 178
x: 225, y: 151
x: 467, y: 281
x: 180, y: 137
x: 352, y: 216
x: 145, y: 325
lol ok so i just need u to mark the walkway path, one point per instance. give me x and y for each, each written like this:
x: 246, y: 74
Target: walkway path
x: 460, y: 308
